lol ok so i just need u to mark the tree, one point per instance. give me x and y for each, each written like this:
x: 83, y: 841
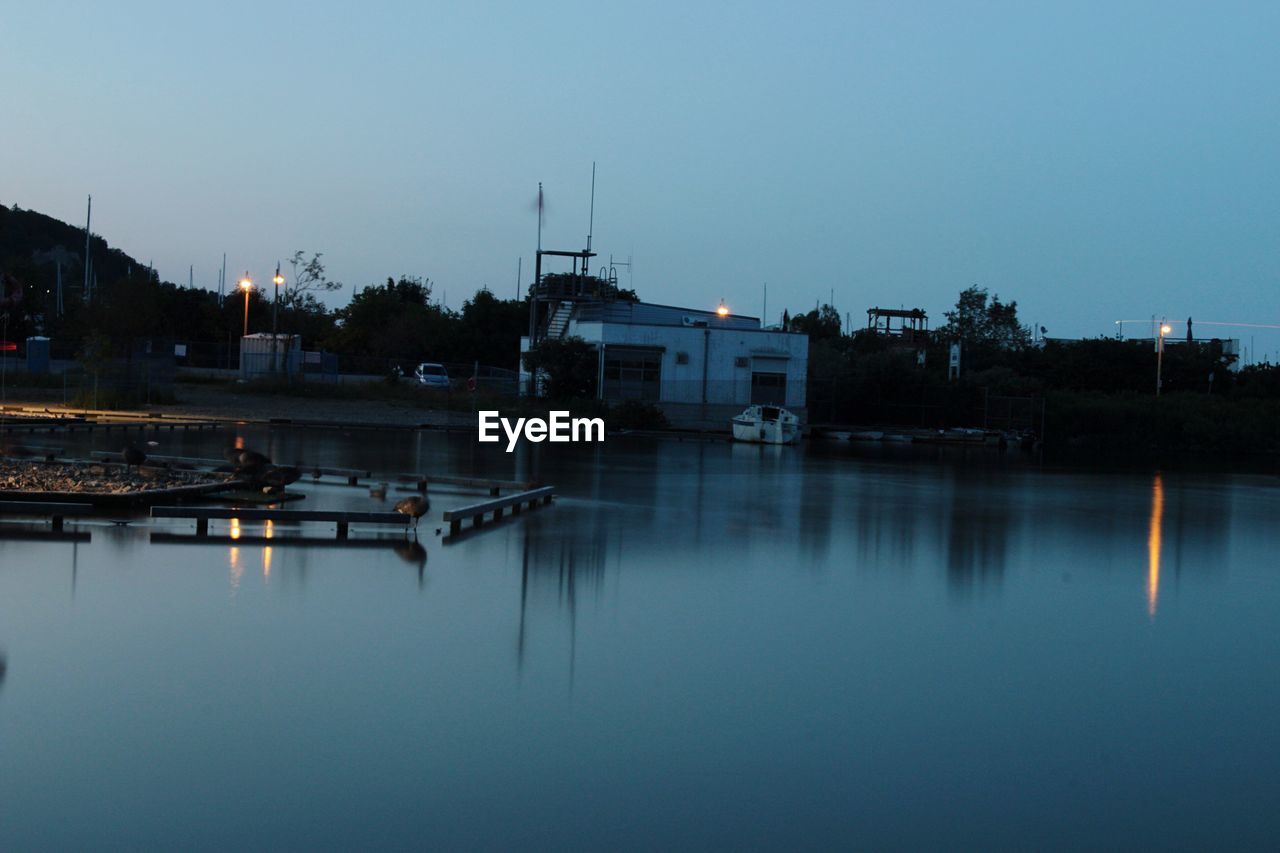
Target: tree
x: 491, y: 328
x: 977, y: 321
x: 395, y: 320
x: 308, y: 277
x: 819, y: 324
x: 569, y: 364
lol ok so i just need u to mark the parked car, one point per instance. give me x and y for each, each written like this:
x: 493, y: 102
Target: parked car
x: 432, y: 375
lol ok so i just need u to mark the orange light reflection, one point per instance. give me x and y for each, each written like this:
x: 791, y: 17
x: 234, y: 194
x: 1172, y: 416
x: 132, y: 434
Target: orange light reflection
x: 1153, y: 545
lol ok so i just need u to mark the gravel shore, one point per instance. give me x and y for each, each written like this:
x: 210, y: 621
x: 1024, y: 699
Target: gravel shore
x: 19, y: 476
x: 216, y: 402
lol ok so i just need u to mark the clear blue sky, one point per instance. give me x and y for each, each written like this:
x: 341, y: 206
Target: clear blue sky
x: 1093, y: 161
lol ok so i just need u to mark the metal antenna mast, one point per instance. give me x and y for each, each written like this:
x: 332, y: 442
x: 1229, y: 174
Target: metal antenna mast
x: 591, y: 222
x: 88, y: 218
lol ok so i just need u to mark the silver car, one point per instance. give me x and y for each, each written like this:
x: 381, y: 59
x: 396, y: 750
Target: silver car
x: 432, y: 375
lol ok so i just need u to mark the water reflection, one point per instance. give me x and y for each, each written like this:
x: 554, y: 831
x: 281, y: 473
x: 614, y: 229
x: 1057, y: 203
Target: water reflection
x: 415, y: 555
x: 237, y: 570
x: 1153, y: 545
x: 980, y: 515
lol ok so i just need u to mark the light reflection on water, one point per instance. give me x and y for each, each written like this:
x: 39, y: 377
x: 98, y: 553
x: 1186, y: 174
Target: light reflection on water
x: 698, y: 645
x: 1153, y: 545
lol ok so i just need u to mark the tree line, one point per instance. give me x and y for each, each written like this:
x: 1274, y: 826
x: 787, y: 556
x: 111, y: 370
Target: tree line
x: 395, y: 320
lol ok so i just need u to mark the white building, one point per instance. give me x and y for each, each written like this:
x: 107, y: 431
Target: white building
x: 700, y: 367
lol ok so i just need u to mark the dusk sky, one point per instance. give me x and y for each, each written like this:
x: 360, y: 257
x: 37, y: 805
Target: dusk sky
x: 1092, y: 161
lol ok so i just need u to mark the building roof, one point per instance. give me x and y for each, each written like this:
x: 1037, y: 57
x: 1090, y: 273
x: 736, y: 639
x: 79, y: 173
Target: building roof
x: 650, y: 314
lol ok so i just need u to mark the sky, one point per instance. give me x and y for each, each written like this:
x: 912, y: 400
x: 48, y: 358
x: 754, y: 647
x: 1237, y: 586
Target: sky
x: 1092, y: 161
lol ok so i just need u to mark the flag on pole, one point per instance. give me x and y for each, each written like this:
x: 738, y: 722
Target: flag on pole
x: 541, y: 209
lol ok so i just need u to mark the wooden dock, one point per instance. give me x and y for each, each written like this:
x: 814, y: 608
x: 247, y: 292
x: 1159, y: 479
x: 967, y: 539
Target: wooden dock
x: 342, y: 518
x: 477, y: 511
x: 55, y: 511
x: 163, y: 537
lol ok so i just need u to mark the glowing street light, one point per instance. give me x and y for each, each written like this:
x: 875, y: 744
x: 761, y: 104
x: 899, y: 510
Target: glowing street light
x: 723, y: 310
x: 246, y: 284
x: 277, y: 280
x: 1165, y: 329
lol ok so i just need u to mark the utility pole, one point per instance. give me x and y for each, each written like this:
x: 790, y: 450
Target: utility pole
x: 277, y: 280
x: 88, y: 218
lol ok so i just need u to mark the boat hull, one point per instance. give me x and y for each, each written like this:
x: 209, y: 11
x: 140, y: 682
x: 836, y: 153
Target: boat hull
x: 764, y: 432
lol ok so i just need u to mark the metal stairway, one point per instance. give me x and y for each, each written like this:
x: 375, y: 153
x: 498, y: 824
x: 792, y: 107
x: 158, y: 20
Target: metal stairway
x: 559, y: 320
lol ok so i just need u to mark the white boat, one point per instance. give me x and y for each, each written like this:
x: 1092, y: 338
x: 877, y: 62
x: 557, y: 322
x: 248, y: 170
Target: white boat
x: 766, y: 425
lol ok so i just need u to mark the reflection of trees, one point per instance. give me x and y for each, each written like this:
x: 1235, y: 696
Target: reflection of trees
x: 977, y: 534
x: 564, y: 563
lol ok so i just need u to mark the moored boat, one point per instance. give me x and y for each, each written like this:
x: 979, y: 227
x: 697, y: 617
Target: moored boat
x: 766, y: 425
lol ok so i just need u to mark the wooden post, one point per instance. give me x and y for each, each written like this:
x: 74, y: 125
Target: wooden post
x: 56, y: 523
x: 342, y: 530
x: 202, y: 527
x: 455, y: 527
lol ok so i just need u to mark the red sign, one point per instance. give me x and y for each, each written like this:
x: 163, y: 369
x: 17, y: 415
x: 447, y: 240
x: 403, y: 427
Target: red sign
x: 8, y: 346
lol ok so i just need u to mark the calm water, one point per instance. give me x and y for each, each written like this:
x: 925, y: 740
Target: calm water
x: 699, y: 645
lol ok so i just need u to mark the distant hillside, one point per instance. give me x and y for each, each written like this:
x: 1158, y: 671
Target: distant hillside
x: 32, y: 245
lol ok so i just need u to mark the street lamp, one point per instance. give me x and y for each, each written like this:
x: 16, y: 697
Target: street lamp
x: 277, y: 280
x: 723, y: 310
x: 1165, y: 329
x: 246, y: 284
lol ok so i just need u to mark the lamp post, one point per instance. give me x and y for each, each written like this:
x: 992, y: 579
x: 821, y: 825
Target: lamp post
x: 246, y: 284
x: 277, y: 280
x: 1165, y: 329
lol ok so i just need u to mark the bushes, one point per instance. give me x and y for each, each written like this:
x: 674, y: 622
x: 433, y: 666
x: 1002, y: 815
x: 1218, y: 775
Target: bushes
x: 634, y: 414
x: 1171, y: 422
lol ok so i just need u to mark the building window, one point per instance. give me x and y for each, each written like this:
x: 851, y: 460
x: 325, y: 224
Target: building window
x: 632, y: 374
x: 740, y: 361
x: 769, y: 388
x: 682, y: 358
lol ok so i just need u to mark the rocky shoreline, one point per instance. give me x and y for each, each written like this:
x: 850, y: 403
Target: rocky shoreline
x: 99, y: 479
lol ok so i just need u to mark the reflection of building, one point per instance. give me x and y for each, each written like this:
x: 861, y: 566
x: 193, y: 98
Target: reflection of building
x: 684, y: 359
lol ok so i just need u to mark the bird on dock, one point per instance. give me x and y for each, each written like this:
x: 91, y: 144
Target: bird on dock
x: 276, y: 477
x: 414, y: 506
x: 132, y: 456
x: 246, y: 461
